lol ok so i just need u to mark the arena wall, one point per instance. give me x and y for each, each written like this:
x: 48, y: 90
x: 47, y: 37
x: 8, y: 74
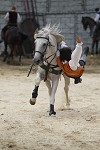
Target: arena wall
x: 68, y: 13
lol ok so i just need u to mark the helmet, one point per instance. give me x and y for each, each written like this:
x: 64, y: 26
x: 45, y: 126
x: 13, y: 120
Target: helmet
x: 65, y: 54
x: 96, y: 9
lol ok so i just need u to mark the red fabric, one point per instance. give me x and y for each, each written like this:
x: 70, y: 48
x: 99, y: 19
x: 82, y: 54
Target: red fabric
x: 23, y: 2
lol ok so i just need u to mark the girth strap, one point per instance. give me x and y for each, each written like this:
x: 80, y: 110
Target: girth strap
x: 49, y: 69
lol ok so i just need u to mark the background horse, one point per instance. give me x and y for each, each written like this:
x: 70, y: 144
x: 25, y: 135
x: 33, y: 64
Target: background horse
x: 46, y: 42
x: 90, y: 23
x: 14, y: 39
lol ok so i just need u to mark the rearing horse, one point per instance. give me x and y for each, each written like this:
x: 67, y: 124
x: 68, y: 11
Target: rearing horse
x: 46, y: 46
x: 90, y: 23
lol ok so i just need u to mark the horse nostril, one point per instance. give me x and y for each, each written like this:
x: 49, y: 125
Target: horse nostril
x: 36, y: 61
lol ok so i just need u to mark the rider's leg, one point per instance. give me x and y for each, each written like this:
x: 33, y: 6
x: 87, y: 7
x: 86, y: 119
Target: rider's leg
x: 82, y: 62
x: 75, y: 57
x: 5, y: 28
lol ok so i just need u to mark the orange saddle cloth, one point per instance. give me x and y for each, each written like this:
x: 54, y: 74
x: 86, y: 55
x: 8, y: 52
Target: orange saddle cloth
x: 68, y: 71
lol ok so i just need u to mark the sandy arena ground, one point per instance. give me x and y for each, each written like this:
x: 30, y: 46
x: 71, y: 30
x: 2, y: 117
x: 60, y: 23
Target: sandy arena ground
x: 27, y: 127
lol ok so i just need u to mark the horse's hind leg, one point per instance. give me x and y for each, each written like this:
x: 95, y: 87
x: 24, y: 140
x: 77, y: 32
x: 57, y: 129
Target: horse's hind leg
x: 92, y: 48
x: 66, y: 89
x: 20, y: 53
x: 5, y: 51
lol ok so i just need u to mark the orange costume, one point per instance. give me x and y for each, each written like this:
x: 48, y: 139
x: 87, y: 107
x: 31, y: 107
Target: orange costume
x: 71, y: 68
x: 68, y: 71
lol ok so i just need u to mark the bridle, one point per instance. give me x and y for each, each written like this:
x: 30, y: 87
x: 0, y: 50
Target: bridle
x: 45, y: 47
x: 48, y: 44
x: 49, y: 67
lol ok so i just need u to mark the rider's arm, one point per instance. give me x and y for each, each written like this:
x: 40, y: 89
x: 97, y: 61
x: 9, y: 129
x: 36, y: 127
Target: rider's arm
x: 97, y: 18
x: 6, y: 18
x: 19, y: 18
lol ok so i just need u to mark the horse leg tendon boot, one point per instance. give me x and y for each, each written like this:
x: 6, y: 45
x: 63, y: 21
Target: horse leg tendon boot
x: 52, y: 112
x: 34, y: 95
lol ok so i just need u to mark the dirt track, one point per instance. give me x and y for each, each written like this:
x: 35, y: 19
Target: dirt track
x: 27, y: 127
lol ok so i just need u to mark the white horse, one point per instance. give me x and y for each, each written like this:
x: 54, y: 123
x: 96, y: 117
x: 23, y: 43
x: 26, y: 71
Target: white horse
x: 46, y: 45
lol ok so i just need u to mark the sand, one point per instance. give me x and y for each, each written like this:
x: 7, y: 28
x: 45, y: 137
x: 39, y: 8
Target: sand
x: 27, y: 127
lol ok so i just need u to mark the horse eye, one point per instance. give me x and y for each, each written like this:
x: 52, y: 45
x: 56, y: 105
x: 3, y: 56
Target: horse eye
x: 44, y: 45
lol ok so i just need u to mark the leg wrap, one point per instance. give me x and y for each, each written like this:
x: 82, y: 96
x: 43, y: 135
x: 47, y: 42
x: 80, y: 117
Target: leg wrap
x: 52, y: 110
x: 35, y: 92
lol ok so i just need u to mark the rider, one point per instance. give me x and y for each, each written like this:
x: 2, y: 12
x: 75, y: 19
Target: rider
x: 97, y: 17
x: 97, y: 20
x: 72, y: 63
x: 12, y: 18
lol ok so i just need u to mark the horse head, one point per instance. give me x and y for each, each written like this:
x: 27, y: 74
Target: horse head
x: 46, y: 41
x: 88, y: 22
x: 85, y: 23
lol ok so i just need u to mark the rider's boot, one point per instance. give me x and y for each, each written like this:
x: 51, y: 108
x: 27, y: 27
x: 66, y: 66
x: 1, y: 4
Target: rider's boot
x: 2, y: 37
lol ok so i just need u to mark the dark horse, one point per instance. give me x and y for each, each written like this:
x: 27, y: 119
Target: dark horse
x: 90, y: 23
x: 13, y: 39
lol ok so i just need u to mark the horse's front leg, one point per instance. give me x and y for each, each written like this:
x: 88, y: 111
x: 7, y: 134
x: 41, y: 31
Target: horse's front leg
x: 48, y: 84
x: 96, y: 47
x: 66, y: 89
x: 35, y: 91
x: 52, y: 95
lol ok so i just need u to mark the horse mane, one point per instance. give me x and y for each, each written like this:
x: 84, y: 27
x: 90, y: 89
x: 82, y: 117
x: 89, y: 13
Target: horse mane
x: 54, y: 29
x: 50, y: 30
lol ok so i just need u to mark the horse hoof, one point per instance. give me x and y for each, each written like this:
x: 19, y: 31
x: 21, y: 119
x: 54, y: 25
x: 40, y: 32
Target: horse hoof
x: 52, y: 113
x: 32, y: 101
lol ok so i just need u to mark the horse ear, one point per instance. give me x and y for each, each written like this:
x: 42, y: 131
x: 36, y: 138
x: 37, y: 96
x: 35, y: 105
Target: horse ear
x: 35, y: 36
x: 58, y: 37
x: 35, y: 33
